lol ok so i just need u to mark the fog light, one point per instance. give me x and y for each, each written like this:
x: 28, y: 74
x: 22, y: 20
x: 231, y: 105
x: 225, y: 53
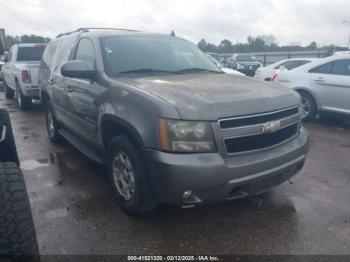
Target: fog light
x: 187, y: 194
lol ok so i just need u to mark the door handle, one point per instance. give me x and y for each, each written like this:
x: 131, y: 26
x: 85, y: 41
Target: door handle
x: 319, y: 80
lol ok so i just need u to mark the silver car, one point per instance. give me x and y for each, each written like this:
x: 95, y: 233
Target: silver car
x: 324, y: 85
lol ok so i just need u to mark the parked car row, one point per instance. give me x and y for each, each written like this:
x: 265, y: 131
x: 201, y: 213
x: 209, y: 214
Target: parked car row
x: 168, y: 123
x: 322, y: 83
x: 160, y: 114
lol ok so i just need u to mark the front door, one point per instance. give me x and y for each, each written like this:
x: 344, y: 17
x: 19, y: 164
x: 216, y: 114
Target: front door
x: 332, y: 84
x: 82, y: 94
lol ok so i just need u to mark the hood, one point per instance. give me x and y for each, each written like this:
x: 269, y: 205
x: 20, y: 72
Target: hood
x: 213, y: 96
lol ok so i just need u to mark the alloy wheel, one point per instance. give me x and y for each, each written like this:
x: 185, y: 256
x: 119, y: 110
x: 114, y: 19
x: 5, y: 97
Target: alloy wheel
x: 123, y: 174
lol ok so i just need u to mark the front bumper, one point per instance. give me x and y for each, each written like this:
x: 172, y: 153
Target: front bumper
x: 214, y: 178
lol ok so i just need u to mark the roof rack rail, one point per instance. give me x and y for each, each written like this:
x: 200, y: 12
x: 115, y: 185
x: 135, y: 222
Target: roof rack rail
x: 71, y: 32
x: 86, y: 29
x: 105, y: 28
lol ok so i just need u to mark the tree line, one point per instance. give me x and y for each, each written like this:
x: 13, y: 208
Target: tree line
x: 263, y: 43
x: 23, y: 39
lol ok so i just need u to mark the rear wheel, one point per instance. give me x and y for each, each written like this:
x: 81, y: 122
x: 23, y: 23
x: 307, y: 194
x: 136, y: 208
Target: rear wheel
x: 309, y: 106
x: 128, y: 177
x: 17, y: 233
x: 52, y: 126
x: 9, y: 93
x: 23, y: 102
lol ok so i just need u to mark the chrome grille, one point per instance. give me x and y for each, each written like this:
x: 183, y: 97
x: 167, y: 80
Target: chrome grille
x: 248, y: 133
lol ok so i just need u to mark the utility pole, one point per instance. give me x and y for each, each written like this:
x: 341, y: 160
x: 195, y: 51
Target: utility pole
x: 347, y: 22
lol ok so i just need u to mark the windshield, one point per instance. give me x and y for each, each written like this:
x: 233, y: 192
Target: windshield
x: 33, y: 53
x: 152, y: 54
x: 247, y: 58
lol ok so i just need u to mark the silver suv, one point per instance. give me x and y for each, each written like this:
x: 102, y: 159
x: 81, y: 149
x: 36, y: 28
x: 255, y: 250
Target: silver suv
x: 169, y: 125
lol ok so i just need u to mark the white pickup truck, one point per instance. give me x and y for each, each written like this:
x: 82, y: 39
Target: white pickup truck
x: 20, y: 73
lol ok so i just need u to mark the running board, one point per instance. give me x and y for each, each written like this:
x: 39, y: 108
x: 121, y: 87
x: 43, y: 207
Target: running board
x: 80, y: 146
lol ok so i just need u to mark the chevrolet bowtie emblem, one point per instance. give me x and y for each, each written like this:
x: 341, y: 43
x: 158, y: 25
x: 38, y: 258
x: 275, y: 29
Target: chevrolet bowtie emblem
x: 271, y: 127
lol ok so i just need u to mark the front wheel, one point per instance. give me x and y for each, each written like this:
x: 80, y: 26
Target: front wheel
x: 309, y: 106
x: 23, y: 102
x: 128, y: 177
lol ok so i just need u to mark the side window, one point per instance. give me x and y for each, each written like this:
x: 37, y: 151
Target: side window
x: 341, y: 67
x: 85, y: 52
x: 323, y: 69
x: 49, y: 54
x: 63, y: 51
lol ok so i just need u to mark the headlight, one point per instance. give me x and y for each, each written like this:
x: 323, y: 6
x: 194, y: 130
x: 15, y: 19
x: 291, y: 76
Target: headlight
x: 185, y: 136
x: 239, y: 66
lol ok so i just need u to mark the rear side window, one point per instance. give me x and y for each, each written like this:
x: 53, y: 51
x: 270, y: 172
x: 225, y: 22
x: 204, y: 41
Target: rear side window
x: 64, y: 51
x: 341, y: 67
x: 323, y: 69
x: 49, y: 54
x: 33, y: 53
x: 86, y: 52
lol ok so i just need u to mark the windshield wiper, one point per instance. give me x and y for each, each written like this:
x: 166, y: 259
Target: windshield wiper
x: 147, y: 70
x: 198, y: 69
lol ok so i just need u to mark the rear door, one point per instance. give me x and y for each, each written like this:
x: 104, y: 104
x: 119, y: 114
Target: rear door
x: 331, y: 82
x: 57, y: 83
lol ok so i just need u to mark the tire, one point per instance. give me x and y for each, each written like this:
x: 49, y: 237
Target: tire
x: 23, y: 102
x: 9, y: 93
x: 17, y: 233
x: 8, y: 151
x: 141, y: 200
x: 52, y: 126
x: 309, y: 104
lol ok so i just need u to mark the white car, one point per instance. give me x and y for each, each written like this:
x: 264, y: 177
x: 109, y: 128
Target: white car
x: 20, y: 73
x: 266, y: 73
x: 324, y: 85
x: 226, y: 70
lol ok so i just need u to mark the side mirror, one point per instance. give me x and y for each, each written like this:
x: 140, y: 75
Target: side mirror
x: 282, y: 68
x: 78, y: 69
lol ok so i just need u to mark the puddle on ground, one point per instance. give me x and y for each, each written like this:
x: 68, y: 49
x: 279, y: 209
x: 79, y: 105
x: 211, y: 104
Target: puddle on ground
x: 32, y: 164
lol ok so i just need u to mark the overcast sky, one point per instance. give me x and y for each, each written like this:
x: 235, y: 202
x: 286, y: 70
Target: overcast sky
x: 290, y: 21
